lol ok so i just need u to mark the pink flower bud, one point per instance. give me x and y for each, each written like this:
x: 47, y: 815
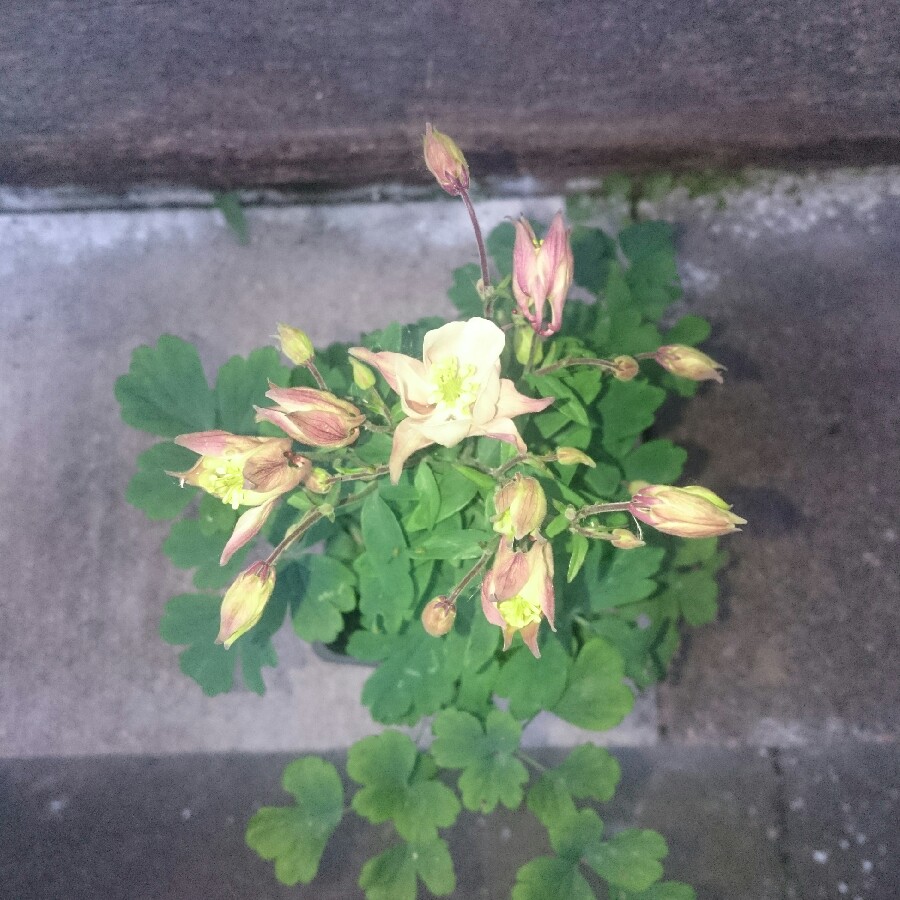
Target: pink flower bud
x: 570, y: 456
x: 318, y: 481
x: 521, y: 507
x: 688, y: 362
x: 625, y: 539
x: 244, y: 602
x: 311, y: 416
x: 690, y: 512
x: 438, y: 616
x: 445, y: 161
x: 625, y: 368
x: 517, y: 592
x: 542, y: 273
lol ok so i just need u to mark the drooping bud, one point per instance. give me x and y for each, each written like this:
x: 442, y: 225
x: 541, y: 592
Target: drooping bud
x: 311, y: 416
x: 570, y: 456
x: 688, y: 362
x: 542, y: 273
x: 295, y: 345
x: 521, y: 507
x: 625, y: 539
x: 625, y: 368
x: 244, y: 602
x: 517, y: 592
x: 363, y: 376
x: 318, y: 481
x: 690, y: 512
x: 445, y: 161
x: 438, y: 616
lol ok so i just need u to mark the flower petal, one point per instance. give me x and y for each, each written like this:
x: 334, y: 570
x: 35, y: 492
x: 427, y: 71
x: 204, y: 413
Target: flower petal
x: 408, y: 438
x: 512, y: 403
x: 502, y: 430
x: 207, y: 443
x: 488, y: 607
x: 385, y: 361
x: 247, y: 527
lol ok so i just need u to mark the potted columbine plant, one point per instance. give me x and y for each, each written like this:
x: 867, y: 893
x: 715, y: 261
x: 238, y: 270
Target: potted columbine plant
x: 473, y: 508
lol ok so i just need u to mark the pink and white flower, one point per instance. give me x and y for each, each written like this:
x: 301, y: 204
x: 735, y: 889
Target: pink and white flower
x: 455, y: 391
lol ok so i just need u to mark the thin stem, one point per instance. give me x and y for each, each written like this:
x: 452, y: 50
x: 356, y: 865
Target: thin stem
x: 482, y: 254
x: 539, y: 766
x: 381, y: 429
x: 576, y: 361
x: 362, y: 476
x: 532, y: 354
x: 320, y: 381
x: 502, y: 470
x: 586, y: 511
x: 472, y: 573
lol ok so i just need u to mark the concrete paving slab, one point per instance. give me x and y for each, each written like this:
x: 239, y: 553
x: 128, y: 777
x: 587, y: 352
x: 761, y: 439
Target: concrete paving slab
x: 84, y: 670
x: 172, y: 828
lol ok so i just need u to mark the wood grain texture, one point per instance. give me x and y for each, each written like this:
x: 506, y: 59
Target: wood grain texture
x: 277, y: 92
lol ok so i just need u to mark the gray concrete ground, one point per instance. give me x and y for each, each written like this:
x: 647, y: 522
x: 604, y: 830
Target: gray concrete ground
x: 799, y: 279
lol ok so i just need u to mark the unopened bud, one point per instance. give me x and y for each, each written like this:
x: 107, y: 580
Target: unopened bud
x: 244, y: 602
x: 445, y: 161
x: 624, y: 368
x: 625, y: 539
x: 521, y: 507
x: 318, y: 481
x: 438, y: 616
x: 688, y: 362
x: 363, y: 376
x: 691, y: 512
x: 570, y: 456
x: 295, y: 345
x: 311, y: 416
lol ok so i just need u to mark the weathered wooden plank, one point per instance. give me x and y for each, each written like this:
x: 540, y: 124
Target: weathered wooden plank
x: 231, y: 93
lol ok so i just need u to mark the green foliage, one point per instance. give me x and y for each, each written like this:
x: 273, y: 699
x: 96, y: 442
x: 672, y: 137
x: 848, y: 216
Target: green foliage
x: 229, y: 204
x: 323, y: 589
x: 154, y: 492
x: 630, y: 860
x: 242, y: 384
x: 398, y: 785
x: 165, y: 391
x: 392, y: 875
x: 193, y: 620
x: 595, y: 696
x: 533, y: 684
x: 485, y: 752
x: 190, y: 544
x: 295, y: 836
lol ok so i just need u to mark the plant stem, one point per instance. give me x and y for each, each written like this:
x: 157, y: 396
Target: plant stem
x: 473, y: 572
x: 532, y: 353
x: 576, y: 361
x: 539, y: 766
x: 482, y: 254
x: 320, y: 381
x: 586, y: 511
x: 362, y: 476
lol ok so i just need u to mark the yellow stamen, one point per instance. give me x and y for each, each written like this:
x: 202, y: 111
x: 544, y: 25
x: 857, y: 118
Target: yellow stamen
x: 223, y: 478
x: 518, y: 611
x: 454, y: 387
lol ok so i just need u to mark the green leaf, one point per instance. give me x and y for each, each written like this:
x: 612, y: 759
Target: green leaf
x: 690, y: 330
x: 595, y: 696
x: 546, y: 877
x: 154, y: 492
x: 578, y: 548
x: 463, y: 294
x: 392, y: 875
x: 424, y: 516
x: 418, y: 676
x: 215, y: 516
x: 626, y: 409
x: 499, y: 245
x: 696, y: 593
x: 451, y: 543
x: 533, y: 684
x: 652, y: 275
x: 189, y: 545
x: 577, y: 834
x: 625, y: 578
x: 381, y: 531
x: 242, y: 384
x: 398, y: 786
x: 165, y: 391
x: 593, y: 251
x: 456, y: 492
x: 491, y: 773
x: 229, y: 204
x: 325, y: 591
x: 659, y: 462
x: 193, y: 619
x: 295, y: 836
x: 630, y: 860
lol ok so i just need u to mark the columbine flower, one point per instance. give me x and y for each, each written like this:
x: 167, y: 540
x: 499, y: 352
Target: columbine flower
x: 244, y: 602
x: 688, y: 362
x: 242, y: 471
x: 454, y: 392
x: 542, y: 273
x: 518, y: 592
x: 521, y: 507
x: 445, y: 161
x: 690, y: 512
x: 311, y: 416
